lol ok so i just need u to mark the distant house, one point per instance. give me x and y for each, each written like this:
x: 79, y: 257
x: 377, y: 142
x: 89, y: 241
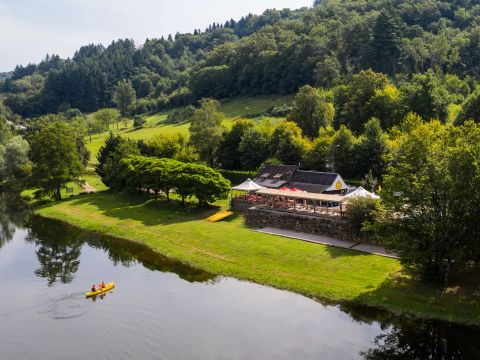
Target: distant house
x: 278, y: 176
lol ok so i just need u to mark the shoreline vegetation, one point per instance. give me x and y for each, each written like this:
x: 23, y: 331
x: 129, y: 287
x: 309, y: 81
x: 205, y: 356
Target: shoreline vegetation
x: 230, y: 248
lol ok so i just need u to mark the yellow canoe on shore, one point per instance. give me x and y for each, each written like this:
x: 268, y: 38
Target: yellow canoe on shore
x: 107, y: 287
x: 219, y: 216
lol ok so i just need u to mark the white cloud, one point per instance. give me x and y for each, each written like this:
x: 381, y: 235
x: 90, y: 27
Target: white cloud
x: 32, y: 28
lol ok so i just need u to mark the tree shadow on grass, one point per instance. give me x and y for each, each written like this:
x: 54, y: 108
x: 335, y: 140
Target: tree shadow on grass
x: 407, y: 294
x: 337, y: 252
x: 145, y: 209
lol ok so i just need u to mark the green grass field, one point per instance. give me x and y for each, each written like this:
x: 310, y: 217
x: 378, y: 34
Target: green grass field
x: 155, y: 124
x: 231, y: 249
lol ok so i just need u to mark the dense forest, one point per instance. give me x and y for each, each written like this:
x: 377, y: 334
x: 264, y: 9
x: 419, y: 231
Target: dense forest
x: 273, y: 53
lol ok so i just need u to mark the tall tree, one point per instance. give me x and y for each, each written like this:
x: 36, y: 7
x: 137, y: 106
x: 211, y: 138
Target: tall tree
x: 372, y: 150
x: 430, y: 199
x: 55, y: 157
x: 5, y: 130
x: 107, y: 117
x: 206, y: 130
x: 311, y: 111
x: 124, y: 96
x: 253, y: 149
x: 16, y: 165
x: 343, y: 152
x: 470, y: 108
x: 386, y: 42
x: 352, y: 101
x: 228, y: 153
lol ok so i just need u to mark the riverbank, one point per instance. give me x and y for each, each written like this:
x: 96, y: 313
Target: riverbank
x: 230, y: 248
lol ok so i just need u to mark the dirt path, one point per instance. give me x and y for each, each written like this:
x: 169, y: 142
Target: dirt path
x: 89, y: 188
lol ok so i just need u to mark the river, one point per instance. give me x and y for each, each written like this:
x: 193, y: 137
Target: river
x: 162, y: 309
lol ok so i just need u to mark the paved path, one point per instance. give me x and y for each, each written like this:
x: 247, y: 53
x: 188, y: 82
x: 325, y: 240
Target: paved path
x: 326, y: 240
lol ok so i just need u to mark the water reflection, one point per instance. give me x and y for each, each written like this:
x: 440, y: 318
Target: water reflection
x: 415, y: 339
x: 13, y: 213
x: 409, y: 338
x: 129, y: 253
x: 58, y: 250
x: 178, y: 317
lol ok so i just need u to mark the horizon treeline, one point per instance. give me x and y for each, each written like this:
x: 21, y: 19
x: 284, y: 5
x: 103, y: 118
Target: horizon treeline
x: 273, y: 53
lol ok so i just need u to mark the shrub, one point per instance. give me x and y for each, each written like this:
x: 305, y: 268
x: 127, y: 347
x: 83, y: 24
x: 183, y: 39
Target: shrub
x: 360, y: 212
x: 279, y: 111
x: 237, y: 177
x: 138, y: 121
x: 180, y: 115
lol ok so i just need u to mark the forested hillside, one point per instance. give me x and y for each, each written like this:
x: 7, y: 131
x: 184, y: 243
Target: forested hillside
x: 274, y: 53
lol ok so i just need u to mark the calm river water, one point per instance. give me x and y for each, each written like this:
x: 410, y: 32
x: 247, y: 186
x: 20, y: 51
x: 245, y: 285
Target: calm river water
x: 161, y: 309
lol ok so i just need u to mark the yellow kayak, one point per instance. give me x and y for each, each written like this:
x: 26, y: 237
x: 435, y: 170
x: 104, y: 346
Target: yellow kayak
x: 223, y: 214
x: 107, y: 287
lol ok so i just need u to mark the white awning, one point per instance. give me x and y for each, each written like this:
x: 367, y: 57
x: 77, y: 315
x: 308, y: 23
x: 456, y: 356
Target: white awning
x: 248, y: 185
x: 361, y: 192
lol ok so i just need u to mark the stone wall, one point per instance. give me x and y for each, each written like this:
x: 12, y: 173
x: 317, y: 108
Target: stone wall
x: 321, y: 225
x: 240, y: 206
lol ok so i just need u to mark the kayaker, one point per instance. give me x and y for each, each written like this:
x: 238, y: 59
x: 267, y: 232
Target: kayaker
x: 103, y: 285
x: 94, y: 288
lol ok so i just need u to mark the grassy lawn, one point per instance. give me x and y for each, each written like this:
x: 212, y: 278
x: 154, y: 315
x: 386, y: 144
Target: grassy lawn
x: 155, y: 124
x: 92, y: 179
x: 230, y: 248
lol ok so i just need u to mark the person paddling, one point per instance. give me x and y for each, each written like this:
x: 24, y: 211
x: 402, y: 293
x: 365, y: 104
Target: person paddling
x: 94, y: 288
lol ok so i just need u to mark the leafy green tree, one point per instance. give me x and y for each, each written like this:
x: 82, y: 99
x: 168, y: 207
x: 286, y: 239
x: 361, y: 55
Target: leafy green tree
x: 343, y: 152
x: 470, y: 108
x: 352, y: 100
x: 112, y: 168
x: 430, y: 199
x: 361, y: 213
x: 164, y: 145
x: 79, y: 131
x: 328, y: 71
x: 206, y: 130
x: 124, y: 96
x: 311, y: 111
x: 387, y: 106
x: 279, y: 132
x: 187, y: 154
x: 372, y: 150
x: 320, y: 153
x: 427, y: 96
x: 228, y: 152
x: 107, y: 117
x: 94, y: 126
x: 143, y: 85
x: 206, y: 184
x: 106, y: 151
x: 16, y: 166
x: 253, y: 149
x: 292, y: 149
x: 5, y: 130
x: 55, y: 157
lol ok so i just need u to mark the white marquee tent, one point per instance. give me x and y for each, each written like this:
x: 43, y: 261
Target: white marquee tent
x: 248, y: 185
x: 361, y: 192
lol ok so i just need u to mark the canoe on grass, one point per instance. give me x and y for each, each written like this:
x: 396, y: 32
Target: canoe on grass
x: 107, y: 287
x: 220, y: 216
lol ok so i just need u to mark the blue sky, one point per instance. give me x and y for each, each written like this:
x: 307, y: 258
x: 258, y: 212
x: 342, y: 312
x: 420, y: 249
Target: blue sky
x: 32, y: 28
